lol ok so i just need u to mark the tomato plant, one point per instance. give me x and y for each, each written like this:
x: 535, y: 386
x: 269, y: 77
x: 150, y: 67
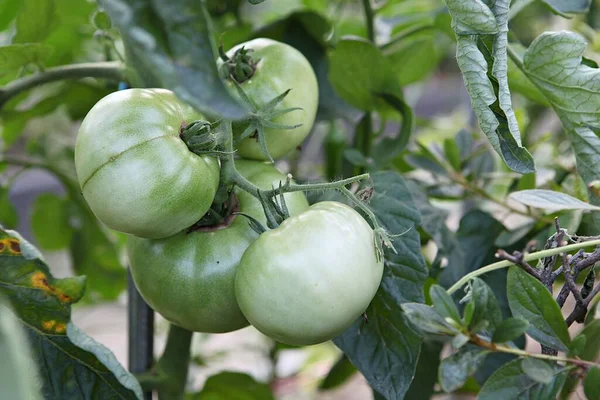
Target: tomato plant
x: 189, y: 277
x: 308, y: 280
x: 135, y: 172
x: 413, y: 186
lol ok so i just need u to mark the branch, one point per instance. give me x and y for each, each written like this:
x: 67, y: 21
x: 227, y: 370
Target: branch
x: 174, y: 363
x: 529, y: 257
x: 369, y: 16
x: 517, y: 258
x: 107, y: 70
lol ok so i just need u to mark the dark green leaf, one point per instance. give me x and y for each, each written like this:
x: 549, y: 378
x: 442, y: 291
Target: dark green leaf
x: 355, y: 157
x: 452, y: 153
x: 101, y: 20
x: 510, y: 329
x: 35, y: 20
x: 341, y: 371
x: 232, y: 386
x: 427, y: 319
x: 485, y: 305
x: 475, y: 235
x: 69, y: 361
x: 50, y: 222
x: 17, y: 371
x: 538, y: 370
x: 550, y: 200
x: 509, y: 382
x: 455, y: 370
x: 358, y: 72
x: 528, y: 298
x: 422, y: 386
x: 591, y: 384
x: 386, y: 349
x: 8, y: 213
x: 577, y: 345
x: 443, y: 303
x: 590, y: 352
x: 388, y: 148
x: 485, y: 74
x: 171, y: 46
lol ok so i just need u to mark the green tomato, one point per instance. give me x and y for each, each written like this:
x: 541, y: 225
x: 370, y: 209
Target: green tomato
x: 189, y: 278
x: 308, y: 280
x: 279, y: 67
x: 135, y: 172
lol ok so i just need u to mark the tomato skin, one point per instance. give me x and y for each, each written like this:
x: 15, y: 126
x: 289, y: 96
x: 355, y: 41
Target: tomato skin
x: 136, y: 174
x: 280, y: 67
x: 189, y: 277
x: 308, y: 280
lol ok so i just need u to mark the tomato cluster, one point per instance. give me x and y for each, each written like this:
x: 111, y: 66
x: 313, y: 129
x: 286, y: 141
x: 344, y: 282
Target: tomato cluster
x: 302, y: 282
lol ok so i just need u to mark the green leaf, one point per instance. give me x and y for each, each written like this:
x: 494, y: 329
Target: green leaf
x: 577, y: 345
x: 171, y: 46
x: 518, y: 81
x: 550, y: 200
x: 443, y: 303
x: 553, y: 62
x: 591, y: 384
x: 50, y: 221
x: 386, y: 348
x: 8, y: 212
x: 9, y: 11
x: 358, y: 72
x: 475, y: 235
x: 35, y: 20
x: 455, y: 370
x: 568, y: 6
x: 528, y: 298
x: 452, y: 153
x: 415, y: 56
x: 510, y: 329
x: 232, y: 385
x: 341, y: 371
x: 101, y: 20
x: 388, y: 148
x: 509, y: 383
x: 68, y: 359
x: 538, y: 370
x: 15, y: 56
x: 481, y: 54
x: 422, y: 386
x: 355, y: 157
x: 427, y: 319
x: 18, y: 373
x: 590, y: 352
x: 485, y: 305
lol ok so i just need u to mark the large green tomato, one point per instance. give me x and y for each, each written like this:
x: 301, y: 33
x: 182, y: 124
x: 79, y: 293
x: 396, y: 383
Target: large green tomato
x: 308, y: 280
x: 189, y: 277
x: 279, y: 67
x: 135, y: 172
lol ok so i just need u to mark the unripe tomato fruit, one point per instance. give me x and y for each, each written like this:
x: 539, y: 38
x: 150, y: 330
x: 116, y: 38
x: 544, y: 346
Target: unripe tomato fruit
x: 279, y: 67
x: 135, y: 172
x: 308, y: 280
x: 189, y: 278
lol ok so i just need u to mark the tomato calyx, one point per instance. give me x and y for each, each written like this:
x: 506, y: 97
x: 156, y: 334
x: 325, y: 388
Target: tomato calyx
x: 240, y: 67
x: 219, y: 216
x: 263, y: 117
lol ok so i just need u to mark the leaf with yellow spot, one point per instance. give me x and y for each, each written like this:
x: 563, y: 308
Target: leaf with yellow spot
x: 71, y: 364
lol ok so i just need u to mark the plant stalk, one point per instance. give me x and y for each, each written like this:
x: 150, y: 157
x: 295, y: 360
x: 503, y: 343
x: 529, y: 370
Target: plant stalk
x: 107, y: 70
x: 174, y: 363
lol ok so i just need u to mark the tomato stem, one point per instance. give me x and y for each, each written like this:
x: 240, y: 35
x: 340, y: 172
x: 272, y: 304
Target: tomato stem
x: 174, y: 363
